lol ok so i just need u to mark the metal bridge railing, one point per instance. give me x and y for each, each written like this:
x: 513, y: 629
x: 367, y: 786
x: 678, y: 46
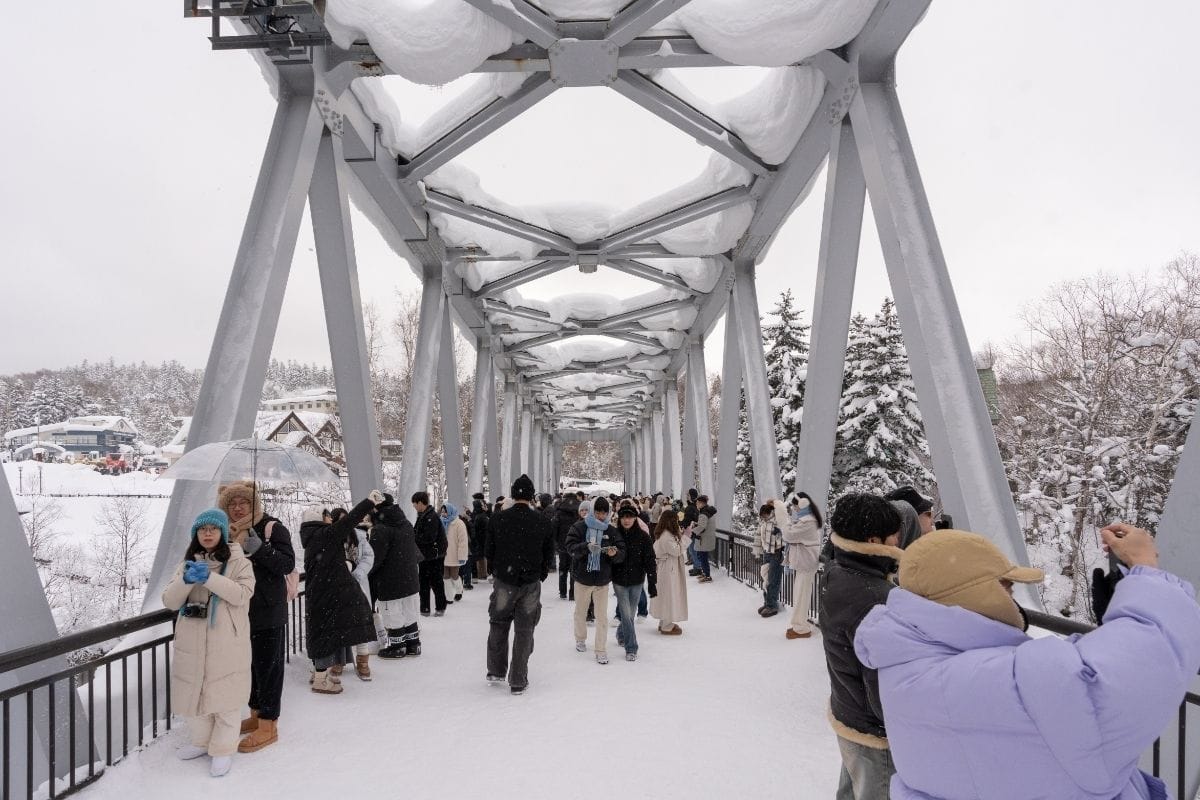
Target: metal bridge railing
x: 735, y: 555
x: 94, y: 712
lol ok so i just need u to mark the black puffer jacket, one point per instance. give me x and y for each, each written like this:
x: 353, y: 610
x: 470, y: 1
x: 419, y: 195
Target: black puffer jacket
x: 577, y: 546
x: 520, y: 546
x: 568, y: 515
x: 480, y: 521
x: 430, y: 535
x: 639, y: 563
x: 395, y: 572
x: 336, y: 614
x: 854, y: 583
x: 272, y: 563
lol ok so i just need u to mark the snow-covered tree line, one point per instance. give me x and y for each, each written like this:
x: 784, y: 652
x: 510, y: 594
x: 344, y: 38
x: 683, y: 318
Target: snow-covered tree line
x: 1095, y: 406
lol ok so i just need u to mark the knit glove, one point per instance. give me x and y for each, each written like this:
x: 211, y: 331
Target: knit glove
x: 252, y: 543
x: 195, y: 572
x: 376, y: 497
x: 593, y: 547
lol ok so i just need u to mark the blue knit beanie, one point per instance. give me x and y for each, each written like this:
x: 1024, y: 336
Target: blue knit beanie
x: 213, y: 516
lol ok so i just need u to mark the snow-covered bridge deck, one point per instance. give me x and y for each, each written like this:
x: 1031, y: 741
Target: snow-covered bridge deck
x: 729, y: 709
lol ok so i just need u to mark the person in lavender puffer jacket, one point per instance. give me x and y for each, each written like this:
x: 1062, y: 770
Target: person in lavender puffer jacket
x: 975, y: 708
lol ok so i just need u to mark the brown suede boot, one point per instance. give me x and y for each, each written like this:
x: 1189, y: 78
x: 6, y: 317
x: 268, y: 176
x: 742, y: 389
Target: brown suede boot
x: 362, y: 667
x: 250, y: 723
x: 266, y: 733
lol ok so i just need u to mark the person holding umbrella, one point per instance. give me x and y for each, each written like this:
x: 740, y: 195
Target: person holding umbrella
x: 268, y: 544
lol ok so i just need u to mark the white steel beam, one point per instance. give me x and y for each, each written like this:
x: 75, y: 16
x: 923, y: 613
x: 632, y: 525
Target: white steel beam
x: 522, y: 277
x: 638, y: 17
x: 482, y: 421
x: 452, y: 449
x: 727, y: 434
x: 678, y: 217
x: 512, y: 441
x: 647, y: 272
x: 414, y: 467
x: 966, y: 459
x: 237, y: 363
x: 841, y: 230
x: 671, y: 440
x: 763, y: 447
x: 697, y: 387
x: 437, y: 201
x: 524, y: 18
x: 329, y: 207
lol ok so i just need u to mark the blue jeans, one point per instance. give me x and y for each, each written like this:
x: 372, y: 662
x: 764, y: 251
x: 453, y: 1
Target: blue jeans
x: 644, y: 604
x: 692, y: 553
x: 627, y: 600
x: 866, y: 772
x: 702, y: 562
x: 774, y: 562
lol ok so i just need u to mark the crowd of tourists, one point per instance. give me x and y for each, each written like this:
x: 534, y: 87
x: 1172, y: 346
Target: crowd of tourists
x: 936, y: 689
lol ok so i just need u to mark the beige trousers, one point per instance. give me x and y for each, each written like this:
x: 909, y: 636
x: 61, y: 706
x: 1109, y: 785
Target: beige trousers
x: 801, y: 594
x: 598, y: 594
x: 218, y: 732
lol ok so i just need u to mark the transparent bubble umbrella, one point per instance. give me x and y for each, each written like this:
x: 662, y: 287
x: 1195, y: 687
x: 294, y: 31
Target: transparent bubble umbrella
x: 250, y: 459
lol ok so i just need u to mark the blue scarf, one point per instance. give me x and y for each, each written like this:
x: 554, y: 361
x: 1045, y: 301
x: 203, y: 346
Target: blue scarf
x: 451, y: 514
x: 595, y: 534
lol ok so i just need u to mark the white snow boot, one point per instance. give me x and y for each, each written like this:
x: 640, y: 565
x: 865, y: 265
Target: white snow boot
x: 220, y: 766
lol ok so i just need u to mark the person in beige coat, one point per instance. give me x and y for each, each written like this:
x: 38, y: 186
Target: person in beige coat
x: 210, y: 671
x: 669, y: 607
x: 457, y: 550
x: 802, y: 535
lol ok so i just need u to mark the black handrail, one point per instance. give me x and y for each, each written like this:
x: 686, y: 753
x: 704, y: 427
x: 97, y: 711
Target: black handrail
x: 35, y: 653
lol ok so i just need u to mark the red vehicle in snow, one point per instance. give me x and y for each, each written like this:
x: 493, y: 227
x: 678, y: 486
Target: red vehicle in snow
x: 115, y: 464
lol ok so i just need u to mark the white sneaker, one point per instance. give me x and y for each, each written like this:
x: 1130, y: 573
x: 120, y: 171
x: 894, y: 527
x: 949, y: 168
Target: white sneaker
x: 220, y: 766
x: 580, y: 647
x: 190, y: 751
x: 601, y: 658
x: 631, y: 656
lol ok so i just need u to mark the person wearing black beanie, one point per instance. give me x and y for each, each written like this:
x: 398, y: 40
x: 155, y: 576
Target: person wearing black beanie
x: 522, y: 489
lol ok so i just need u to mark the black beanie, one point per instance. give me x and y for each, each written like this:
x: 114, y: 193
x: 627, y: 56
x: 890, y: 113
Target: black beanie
x: 911, y: 496
x: 522, y: 488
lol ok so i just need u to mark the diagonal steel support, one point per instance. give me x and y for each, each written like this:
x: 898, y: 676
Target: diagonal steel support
x: 334, y: 238
x: 671, y: 438
x: 841, y: 230
x: 436, y: 201
x: 414, y: 467
x: 643, y: 313
x: 522, y: 277
x: 491, y: 306
x: 452, y: 449
x: 677, y: 112
x: 522, y: 17
x: 647, y: 272
x: 511, y: 456
x: 482, y: 422
x: 479, y: 125
x: 731, y: 407
x: 638, y: 17
x: 697, y: 388
x: 966, y: 459
x: 625, y: 336
x: 678, y: 217
x: 754, y: 381
x: 237, y: 364
x: 650, y: 53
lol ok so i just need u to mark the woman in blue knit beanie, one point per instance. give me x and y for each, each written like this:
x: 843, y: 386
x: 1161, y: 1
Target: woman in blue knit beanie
x: 210, y: 671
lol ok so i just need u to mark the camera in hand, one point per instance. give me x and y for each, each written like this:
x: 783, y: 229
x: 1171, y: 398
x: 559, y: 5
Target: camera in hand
x: 943, y: 523
x: 193, y: 610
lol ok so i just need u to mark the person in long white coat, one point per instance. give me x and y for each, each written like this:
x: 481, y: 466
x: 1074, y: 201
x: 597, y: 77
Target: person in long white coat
x: 210, y: 670
x: 802, y: 536
x: 669, y: 605
x: 458, y: 549
x: 360, y: 569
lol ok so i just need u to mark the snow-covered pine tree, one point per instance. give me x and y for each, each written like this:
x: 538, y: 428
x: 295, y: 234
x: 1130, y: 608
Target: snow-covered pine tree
x: 881, y: 440
x: 786, y: 340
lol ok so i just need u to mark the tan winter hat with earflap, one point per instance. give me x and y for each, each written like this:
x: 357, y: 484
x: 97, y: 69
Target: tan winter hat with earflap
x: 956, y: 568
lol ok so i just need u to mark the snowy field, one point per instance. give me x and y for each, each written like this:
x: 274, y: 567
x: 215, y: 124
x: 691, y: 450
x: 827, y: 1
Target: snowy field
x: 730, y: 709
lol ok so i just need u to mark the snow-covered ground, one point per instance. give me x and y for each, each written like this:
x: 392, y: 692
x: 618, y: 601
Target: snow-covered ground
x: 730, y: 709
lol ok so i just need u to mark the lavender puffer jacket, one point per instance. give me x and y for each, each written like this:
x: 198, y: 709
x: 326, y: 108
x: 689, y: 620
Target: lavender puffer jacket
x: 977, y: 709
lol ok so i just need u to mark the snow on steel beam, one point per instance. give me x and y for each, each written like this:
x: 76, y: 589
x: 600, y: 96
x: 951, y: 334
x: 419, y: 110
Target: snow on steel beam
x: 639, y: 17
x: 436, y: 201
x: 711, y: 309
x: 479, y: 125
x: 375, y: 170
x: 520, y: 277
x: 537, y: 341
x: 667, y: 52
x: 649, y: 273
x: 522, y: 17
x: 675, y: 111
x: 679, y: 216
x: 642, y: 341
x: 618, y: 320
x: 876, y: 45
x: 648, y: 250
x: 491, y: 306
x: 797, y: 173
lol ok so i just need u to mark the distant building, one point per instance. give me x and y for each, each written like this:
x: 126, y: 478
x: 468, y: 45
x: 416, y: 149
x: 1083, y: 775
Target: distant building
x: 320, y: 400
x: 75, y: 436
x: 318, y: 433
x: 391, y: 450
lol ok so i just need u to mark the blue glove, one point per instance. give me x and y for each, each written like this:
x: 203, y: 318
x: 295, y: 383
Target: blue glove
x: 199, y: 571
x: 189, y: 572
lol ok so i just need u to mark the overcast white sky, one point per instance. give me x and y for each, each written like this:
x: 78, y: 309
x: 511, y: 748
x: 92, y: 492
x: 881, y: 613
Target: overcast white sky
x: 1055, y: 139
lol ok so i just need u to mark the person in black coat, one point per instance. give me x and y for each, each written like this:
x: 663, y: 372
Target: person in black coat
x: 395, y: 579
x: 566, y: 516
x: 595, y: 545
x: 431, y: 540
x: 268, y: 544
x: 520, y: 551
x: 866, y: 530
x: 477, y: 528
x: 638, y: 567
x: 336, y: 614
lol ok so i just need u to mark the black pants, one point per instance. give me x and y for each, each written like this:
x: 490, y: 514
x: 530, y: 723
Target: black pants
x: 266, y: 671
x: 566, y: 586
x: 430, y: 573
x: 518, y: 607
